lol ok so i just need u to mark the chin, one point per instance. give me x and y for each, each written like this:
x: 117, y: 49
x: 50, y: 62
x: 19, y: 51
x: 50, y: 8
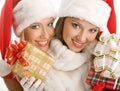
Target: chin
x: 44, y: 49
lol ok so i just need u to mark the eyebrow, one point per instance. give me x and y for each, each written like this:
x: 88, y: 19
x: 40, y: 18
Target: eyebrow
x: 75, y: 21
x: 97, y: 28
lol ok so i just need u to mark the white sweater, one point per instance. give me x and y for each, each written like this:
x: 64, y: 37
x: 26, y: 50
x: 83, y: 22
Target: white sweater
x: 70, y: 70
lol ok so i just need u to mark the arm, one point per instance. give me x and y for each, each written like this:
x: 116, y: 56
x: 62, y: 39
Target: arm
x: 12, y: 85
x: 25, y: 84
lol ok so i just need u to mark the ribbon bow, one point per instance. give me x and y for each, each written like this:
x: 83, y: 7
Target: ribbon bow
x: 99, y: 87
x: 15, y: 52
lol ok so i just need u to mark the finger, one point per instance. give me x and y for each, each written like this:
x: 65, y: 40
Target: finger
x: 35, y: 85
x: 23, y: 81
x: 40, y: 88
x: 29, y: 83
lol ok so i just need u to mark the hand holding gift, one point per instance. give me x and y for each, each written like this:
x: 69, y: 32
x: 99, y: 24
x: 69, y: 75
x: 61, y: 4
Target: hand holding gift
x: 27, y: 60
x: 107, y: 60
x: 106, y: 65
x: 31, y: 84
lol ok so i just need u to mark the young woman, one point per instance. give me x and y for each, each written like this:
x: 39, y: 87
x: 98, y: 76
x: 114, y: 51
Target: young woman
x: 33, y: 22
x: 77, y: 30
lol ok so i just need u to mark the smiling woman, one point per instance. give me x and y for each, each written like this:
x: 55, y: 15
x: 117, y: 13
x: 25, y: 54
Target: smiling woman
x: 43, y: 30
x: 56, y: 4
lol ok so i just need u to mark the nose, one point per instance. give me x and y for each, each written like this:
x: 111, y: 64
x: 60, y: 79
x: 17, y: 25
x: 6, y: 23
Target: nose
x: 82, y: 36
x: 44, y: 33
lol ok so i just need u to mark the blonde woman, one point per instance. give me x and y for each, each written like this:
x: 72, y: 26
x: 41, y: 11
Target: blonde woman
x: 33, y: 22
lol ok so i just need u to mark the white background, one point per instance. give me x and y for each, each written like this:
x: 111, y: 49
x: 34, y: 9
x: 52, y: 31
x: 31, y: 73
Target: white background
x: 56, y: 4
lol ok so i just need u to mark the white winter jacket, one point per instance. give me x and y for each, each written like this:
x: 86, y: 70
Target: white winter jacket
x: 70, y: 70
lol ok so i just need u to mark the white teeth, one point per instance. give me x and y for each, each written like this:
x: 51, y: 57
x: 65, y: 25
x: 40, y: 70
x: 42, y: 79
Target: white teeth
x: 43, y: 42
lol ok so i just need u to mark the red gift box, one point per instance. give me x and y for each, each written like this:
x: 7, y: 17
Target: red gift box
x: 94, y: 79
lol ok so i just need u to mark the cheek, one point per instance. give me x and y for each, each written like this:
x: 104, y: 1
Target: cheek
x: 29, y: 36
x: 51, y: 32
x: 68, y: 33
x: 92, y: 37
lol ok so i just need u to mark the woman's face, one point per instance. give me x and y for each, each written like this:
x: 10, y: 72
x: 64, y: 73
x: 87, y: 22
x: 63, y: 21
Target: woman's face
x: 77, y: 33
x: 40, y: 33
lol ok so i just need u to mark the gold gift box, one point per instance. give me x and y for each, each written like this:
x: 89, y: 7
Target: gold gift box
x: 40, y: 63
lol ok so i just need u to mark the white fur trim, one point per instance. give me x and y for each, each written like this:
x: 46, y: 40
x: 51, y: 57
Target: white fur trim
x: 96, y: 12
x: 27, y: 12
x: 67, y: 60
x: 5, y: 68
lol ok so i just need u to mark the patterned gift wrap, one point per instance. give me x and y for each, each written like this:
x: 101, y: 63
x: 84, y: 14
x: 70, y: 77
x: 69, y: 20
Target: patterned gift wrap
x: 106, y: 64
x: 38, y: 64
x: 94, y: 78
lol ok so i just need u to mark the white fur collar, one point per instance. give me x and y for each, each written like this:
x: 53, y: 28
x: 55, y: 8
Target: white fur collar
x: 67, y: 60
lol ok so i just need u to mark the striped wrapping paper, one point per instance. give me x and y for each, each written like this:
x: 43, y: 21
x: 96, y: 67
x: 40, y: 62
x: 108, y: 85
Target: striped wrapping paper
x: 94, y: 78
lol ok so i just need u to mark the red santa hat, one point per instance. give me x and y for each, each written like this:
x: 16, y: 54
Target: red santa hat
x: 112, y: 19
x: 5, y: 25
x: 24, y: 13
x: 96, y: 12
x: 27, y: 12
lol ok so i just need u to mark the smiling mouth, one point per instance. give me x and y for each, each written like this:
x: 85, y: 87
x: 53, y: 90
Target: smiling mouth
x: 77, y: 44
x: 43, y: 43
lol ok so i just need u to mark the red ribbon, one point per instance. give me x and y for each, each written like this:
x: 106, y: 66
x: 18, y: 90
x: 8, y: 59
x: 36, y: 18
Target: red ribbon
x: 99, y: 87
x: 16, y: 52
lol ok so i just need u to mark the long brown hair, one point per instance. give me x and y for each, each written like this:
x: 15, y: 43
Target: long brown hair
x: 59, y: 28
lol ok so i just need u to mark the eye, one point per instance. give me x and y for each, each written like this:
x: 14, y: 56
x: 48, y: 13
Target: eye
x: 35, y: 26
x: 50, y: 24
x: 93, y: 30
x: 75, y: 25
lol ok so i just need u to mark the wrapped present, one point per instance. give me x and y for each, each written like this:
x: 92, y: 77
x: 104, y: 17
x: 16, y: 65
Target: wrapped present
x: 107, y: 60
x: 94, y: 79
x: 28, y: 60
x: 106, y: 64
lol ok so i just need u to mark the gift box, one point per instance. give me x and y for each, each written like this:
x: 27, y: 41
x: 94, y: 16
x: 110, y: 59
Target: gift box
x: 106, y: 64
x: 94, y: 79
x: 28, y: 60
x: 107, y: 60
